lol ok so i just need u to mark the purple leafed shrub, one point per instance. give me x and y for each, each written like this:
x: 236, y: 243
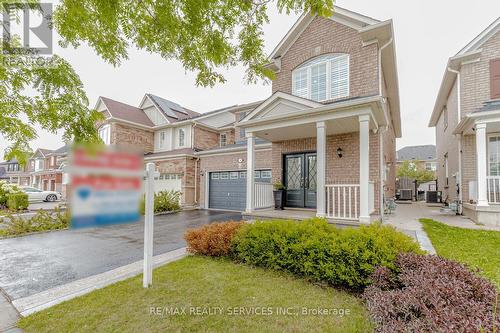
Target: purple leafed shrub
x: 431, y: 294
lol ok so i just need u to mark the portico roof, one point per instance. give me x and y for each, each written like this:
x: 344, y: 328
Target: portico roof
x: 283, y: 116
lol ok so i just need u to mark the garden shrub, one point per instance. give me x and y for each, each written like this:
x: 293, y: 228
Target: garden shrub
x: 5, y: 190
x: 17, y: 201
x: 315, y: 249
x: 431, y: 294
x: 165, y: 201
x: 212, y: 239
x: 41, y: 221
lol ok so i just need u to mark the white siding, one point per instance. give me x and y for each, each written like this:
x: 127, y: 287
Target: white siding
x: 155, y: 115
x: 219, y: 120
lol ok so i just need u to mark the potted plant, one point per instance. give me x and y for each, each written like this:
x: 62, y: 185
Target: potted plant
x: 279, y: 195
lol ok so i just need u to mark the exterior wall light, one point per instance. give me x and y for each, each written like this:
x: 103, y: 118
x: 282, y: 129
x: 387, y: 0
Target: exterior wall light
x: 339, y: 152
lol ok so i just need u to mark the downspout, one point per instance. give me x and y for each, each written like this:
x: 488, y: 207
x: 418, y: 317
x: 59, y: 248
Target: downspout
x: 196, y: 180
x: 381, y: 145
x: 380, y: 64
x: 459, y: 114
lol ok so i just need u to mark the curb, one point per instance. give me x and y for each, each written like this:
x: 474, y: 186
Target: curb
x: 45, y: 299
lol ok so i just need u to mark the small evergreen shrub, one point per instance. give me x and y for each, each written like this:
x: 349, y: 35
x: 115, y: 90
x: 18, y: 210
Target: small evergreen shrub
x: 431, y: 294
x: 17, y: 201
x: 165, y: 201
x: 212, y: 239
x: 314, y: 249
x: 41, y: 221
x: 7, y: 189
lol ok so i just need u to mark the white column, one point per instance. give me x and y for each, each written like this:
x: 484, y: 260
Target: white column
x: 364, y: 167
x: 482, y: 188
x: 250, y: 172
x: 320, y: 168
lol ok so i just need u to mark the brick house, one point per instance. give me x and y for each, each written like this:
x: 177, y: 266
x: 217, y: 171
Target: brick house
x: 12, y: 172
x: 466, y: 118
x: 327, y: 131
x: 45, y: 169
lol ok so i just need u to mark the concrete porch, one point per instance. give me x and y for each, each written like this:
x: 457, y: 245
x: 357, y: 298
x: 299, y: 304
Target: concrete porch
x: 297, y: 215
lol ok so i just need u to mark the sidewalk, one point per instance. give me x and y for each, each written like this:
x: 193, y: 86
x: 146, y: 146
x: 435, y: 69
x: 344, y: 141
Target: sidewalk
x: 8, y: 314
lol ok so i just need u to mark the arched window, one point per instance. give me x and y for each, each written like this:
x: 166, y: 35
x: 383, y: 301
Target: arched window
x: 322, y: 78
x: 182, y: 137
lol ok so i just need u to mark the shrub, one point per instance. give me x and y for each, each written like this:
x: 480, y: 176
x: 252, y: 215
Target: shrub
x: 5, y: 190
x: 431, y: 294
x: 17, y: 201
x: 165, y: 201
x: 315, y: 249
x: 212, y: 239
x: 41, y: 221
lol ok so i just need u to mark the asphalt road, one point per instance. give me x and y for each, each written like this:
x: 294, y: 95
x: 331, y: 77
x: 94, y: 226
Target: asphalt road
x: 35, y: 263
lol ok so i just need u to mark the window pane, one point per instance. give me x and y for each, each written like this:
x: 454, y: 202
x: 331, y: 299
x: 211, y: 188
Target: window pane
x: 318, y: 82
x: 300, y: 83
x: 340, y: 77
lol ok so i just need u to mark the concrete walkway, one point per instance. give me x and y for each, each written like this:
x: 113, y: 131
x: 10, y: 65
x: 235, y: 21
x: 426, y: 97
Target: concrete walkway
x: 407, y: 215
x: 8, y: 314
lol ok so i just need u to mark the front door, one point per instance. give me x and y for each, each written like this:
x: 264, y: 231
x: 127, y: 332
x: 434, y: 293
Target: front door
x: 300, y: 180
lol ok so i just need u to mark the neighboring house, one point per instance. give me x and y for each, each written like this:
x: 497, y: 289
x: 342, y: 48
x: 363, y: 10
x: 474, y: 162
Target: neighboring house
x: 13, y: 172
x: 422, y: 157
x: 327, y: 131
x: 467, y: 120
x: 45, y: 168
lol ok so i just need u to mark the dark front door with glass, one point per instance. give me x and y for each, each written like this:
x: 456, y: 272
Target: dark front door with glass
x: 300, y: 180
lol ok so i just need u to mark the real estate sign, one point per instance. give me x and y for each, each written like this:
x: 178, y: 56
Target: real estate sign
x: 105, y: 187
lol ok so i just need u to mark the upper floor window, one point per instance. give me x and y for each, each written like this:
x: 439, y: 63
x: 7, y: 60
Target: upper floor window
x: 430, y: 166
x: 182, y: 137
x: 223, y: 139
x: 322, y: 78
x: 105, y: 134
x: 162, y: 142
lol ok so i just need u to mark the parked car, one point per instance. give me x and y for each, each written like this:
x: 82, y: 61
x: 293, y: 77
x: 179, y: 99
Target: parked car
x: 35, y: 194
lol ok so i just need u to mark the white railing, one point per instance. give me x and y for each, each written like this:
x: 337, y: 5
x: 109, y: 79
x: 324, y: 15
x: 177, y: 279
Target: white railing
x: 493, y: 186
x: 342, y: 201
x: 263, y: 195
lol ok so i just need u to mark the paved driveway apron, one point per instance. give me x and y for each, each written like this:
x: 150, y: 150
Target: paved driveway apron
x: 34, y: 263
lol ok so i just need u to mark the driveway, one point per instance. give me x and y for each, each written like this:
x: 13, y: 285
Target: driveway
x: 34, y: 263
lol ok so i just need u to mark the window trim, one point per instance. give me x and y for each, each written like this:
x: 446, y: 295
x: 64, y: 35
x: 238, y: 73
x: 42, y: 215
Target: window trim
x: 162, y: 143
x: 307, y: 66
x: 183, y: 137
x: 488, y: 162
x: 223, y: 135
x: 105, y: 129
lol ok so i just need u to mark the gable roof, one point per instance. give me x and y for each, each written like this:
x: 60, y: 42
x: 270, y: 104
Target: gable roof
x: 173, y: 111
x: 341, y: 15
x: 126, y: 112
x: 470, y: 52
x: 417, y: 153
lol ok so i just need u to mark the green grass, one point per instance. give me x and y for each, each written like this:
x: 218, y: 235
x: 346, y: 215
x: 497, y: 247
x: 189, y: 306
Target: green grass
x: 476, y: 248
x: 204, y: 282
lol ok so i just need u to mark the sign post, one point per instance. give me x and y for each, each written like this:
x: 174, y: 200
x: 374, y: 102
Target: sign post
x: 148, y: 226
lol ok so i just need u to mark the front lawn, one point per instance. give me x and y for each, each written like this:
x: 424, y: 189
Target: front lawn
x: 240, y: 298
x: 477, y: 248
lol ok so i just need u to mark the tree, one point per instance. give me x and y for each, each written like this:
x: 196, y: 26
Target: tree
x: 44, y: 91
x: 410, y: 170
x: 204, y: 35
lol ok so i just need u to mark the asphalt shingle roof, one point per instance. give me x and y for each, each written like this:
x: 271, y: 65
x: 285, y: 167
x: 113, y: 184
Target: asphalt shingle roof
x: 126, y: 112
x: 417, y: 153
x: 490, y: 106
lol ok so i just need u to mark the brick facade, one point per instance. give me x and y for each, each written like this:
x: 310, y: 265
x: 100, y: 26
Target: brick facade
x: 323, y: 36
x: 205, y: 139
x: 130, y: 136
x: 186, y: 166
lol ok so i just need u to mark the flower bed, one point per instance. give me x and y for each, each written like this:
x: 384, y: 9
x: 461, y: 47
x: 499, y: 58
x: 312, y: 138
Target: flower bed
x: 431, y: 294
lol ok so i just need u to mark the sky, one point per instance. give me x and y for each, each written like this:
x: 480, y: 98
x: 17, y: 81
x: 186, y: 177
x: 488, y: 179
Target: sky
x: 427, y: 33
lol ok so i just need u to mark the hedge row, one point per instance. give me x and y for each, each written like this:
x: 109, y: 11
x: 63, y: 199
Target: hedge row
x: 313, y: 248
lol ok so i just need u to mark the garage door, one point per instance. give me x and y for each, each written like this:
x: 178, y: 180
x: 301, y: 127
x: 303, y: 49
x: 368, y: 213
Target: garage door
x: 227, y: 189
x: 168, y: 182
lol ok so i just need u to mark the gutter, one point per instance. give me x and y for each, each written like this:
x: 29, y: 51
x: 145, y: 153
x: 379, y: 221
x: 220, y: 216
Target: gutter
x: 233, y: 149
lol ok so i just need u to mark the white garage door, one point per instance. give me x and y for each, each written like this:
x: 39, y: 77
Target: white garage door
x: 168, y: 182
